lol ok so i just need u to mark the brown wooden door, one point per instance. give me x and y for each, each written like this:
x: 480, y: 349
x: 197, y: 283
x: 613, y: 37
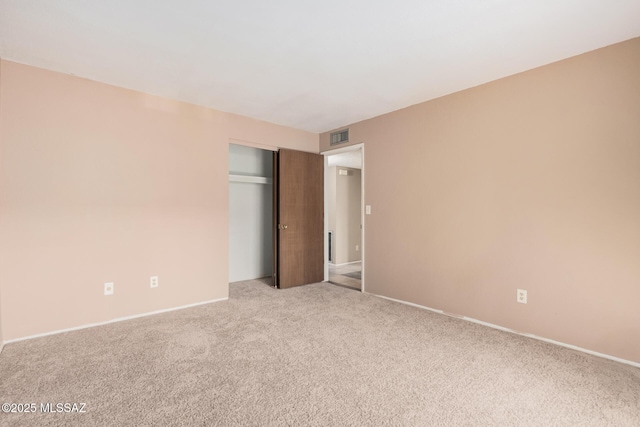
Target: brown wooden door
x: 300, y: 255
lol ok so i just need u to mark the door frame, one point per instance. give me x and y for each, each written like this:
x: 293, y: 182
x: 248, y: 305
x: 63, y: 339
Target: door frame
x: 326, y: 155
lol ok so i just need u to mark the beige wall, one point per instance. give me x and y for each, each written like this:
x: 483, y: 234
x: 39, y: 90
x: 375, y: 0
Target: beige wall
x: 528, y: 182
x: 100, y: 184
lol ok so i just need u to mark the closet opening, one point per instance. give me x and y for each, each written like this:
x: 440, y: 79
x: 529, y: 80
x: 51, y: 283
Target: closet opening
x: 251, y: 249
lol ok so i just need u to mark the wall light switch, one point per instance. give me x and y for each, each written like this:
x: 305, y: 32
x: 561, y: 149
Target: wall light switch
x: 367, y: 209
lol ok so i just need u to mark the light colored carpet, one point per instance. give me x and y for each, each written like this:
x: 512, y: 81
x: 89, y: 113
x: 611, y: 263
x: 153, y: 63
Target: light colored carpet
x: 315, y: 355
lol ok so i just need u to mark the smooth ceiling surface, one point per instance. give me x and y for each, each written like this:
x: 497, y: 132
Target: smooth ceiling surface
x: 312, y: 65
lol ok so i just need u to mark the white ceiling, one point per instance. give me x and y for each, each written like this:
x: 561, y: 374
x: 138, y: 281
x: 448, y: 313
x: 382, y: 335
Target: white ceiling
x: 313, y: 65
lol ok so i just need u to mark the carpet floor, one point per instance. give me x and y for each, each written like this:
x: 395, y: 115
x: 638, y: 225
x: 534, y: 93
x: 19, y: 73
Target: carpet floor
x: 317, y: 355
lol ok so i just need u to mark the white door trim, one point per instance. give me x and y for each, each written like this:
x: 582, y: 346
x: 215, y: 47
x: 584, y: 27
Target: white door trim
x: 354, y: 147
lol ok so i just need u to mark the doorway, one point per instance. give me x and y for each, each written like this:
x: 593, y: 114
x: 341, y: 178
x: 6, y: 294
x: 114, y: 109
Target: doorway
x: 275, y: 216
x: 344, y: 219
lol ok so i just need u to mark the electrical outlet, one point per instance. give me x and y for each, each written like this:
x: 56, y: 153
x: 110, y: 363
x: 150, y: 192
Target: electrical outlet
x: 367, y: 209
x: 521, y: 296
x: 108, y: 288
x: 154, y: 281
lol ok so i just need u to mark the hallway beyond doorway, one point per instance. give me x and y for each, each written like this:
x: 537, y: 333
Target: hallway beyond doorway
x: 349, y: 275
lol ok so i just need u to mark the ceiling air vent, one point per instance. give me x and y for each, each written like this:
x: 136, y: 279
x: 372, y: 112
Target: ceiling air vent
x: 340, y: 137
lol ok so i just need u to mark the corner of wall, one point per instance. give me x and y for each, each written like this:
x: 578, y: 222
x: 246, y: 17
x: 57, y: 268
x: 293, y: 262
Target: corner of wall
x: 184, y: 207
x: 490, y: 206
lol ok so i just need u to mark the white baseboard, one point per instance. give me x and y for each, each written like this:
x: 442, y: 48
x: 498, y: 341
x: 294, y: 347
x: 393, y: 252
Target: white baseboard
x: 118, y: 319
x: 502, y: 328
